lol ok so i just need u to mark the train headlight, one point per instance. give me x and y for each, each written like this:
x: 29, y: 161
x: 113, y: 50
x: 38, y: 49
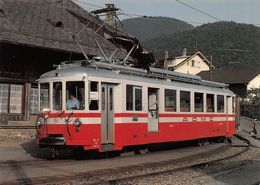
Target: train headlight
x: 39, y: 121
x: 77, y: 122
x: 46, y: 116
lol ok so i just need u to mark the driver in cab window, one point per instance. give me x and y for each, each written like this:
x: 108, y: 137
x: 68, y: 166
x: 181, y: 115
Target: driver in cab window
x: 72, y: 103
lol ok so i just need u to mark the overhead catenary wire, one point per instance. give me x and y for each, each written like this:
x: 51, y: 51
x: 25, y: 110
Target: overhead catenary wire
x: 198, y: 10
x: 181, y: 2
x: 131, y: 15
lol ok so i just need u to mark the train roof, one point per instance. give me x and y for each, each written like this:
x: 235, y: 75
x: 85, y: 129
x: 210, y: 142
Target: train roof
x: 123, y: 72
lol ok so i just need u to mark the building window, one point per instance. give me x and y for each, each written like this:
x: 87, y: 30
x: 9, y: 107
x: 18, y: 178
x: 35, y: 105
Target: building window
x: 34, y: 107
x: 4, y: 89
x: 210, y: 103
x: 170, y: 100
x: 198, y: 102
x: 57, y: 96
x: 184, y: 101
x: 133, y: 98
x: 93, y: 96
x: 75, y: 95
x: 16, y: 99
x: 193, y: 63
x: 220, y: 103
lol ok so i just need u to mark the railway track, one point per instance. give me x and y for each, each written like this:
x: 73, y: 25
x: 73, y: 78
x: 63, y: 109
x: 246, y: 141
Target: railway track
x: 15, y: 127
x: 123, y: 174
x: 140, y: 176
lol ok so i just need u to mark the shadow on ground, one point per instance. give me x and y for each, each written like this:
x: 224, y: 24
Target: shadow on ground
x: 70, y: 153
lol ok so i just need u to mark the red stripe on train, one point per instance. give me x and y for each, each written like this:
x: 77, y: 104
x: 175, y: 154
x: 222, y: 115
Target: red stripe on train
x: 82, y: 115
x: 143, y: 115
x: 195, y: 115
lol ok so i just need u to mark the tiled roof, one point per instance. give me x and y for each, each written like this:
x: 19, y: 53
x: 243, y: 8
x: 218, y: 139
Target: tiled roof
x: 233, y: 76
x: 47, y: 24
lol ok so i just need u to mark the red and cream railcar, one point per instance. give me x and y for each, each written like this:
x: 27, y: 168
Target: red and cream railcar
x: 122, y: 106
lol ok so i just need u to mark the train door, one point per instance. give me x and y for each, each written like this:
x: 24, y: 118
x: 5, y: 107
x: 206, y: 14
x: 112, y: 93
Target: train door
x: 153, y: 110
x: 107, y: 128
x: 228, y: 111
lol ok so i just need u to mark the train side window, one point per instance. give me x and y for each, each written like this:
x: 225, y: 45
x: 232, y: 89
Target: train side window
x: 210, y: 103
x: 75, y: 95
x: 103, y: 99
x: 198, y: 102
x: 184, y: 101
x: 220, y: 103
x: 133, y: 98
x: 57, y: 96
x: 93, y: 96
x: 233, y: 105
x: 170, y: 100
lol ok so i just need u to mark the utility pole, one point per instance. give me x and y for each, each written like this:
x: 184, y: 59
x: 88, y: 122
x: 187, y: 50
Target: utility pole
x: 166, y: 56
x: 211, y: 69
x: 110, y: 15
x: 196, y: 45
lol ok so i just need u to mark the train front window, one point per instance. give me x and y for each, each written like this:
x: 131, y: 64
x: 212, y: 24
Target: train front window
x: 93, y: 95
x: 75, y: 95
x: 44, y: 96
x: 57, y: 96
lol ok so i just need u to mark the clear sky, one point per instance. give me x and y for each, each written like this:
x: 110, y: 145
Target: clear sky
x: 242, y: 11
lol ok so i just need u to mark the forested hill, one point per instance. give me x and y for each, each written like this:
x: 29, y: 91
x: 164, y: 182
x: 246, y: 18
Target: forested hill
x: 147, y: 28
x: 231, y: 44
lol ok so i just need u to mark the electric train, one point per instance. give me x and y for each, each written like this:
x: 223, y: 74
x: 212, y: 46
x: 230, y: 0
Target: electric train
x: 103, y: 106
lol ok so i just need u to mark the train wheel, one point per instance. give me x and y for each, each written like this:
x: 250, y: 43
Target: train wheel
x: 200, y: 142
x: 54, y: 152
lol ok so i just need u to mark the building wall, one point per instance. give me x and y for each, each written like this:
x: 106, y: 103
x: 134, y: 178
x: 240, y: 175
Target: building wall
x: 255, y: 83
x: 20, y: 66
x: 194, y: 66
x: 176, y: 61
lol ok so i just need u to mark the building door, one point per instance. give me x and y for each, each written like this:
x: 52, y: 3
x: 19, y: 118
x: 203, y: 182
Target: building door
x: 107, y: 127
x: 153, y: 110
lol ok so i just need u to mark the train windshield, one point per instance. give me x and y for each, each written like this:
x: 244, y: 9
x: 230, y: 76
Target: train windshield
x: 44, y: 96
x: 57, y: 96
x: 75, y: 95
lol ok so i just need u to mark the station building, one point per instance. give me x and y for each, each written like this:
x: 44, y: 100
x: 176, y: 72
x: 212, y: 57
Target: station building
x: 35, y: 35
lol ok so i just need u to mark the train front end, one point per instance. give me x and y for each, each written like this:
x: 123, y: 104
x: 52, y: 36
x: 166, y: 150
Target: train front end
x: 64, y: 120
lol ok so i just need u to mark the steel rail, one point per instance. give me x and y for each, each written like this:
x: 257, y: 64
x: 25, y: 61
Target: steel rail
x: 17, y: 127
